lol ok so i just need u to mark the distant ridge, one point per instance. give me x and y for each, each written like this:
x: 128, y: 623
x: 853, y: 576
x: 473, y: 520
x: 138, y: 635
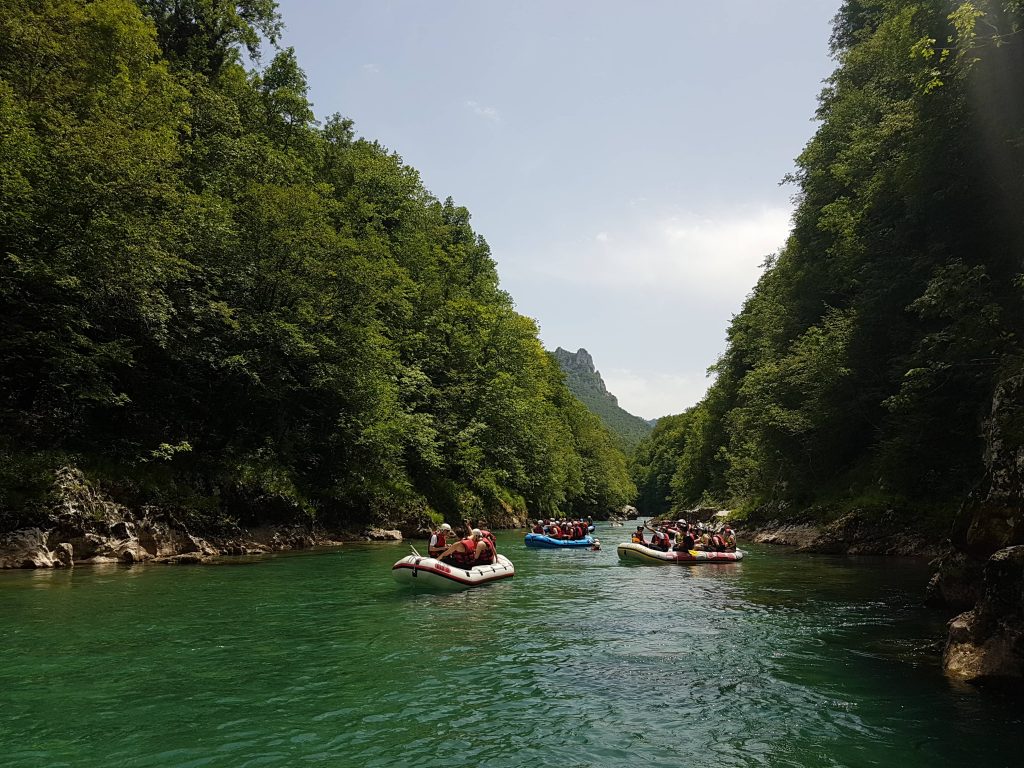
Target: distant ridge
x: 585, y: 381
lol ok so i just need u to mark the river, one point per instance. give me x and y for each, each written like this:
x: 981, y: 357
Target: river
x: 321, y: 659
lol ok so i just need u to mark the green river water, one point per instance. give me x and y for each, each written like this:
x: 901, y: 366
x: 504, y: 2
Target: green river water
x: 322, y: 659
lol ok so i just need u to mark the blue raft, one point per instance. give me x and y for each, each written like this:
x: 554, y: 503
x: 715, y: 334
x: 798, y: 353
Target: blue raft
x: 546, y: 542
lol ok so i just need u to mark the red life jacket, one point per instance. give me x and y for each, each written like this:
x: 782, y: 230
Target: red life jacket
x: 442, y: 542
x: 554, y: 532
x: 465, y: 558
x: 538, y: 529
x: 487, y: 552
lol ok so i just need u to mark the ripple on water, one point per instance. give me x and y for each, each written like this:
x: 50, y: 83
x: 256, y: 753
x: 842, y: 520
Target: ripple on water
x: 577, y: 661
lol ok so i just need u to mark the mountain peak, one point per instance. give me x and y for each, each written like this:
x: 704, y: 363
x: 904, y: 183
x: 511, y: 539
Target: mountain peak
x: 585, y: 382
x: 581, y: 363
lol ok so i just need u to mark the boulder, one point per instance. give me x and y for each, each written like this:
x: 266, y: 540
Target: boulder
x: 380, y: 534
x: 64, y: 555
x: 26, y: 548
x: 955, y: 581
x: 987, y: 643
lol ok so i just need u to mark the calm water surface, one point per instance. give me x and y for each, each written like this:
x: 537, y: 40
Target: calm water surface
x: 320, y: 658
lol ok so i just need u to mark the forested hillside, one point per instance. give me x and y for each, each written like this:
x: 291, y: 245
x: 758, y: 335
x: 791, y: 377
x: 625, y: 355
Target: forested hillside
x: 211, y: 302
x: 585, y: 381
x: 862, y: 366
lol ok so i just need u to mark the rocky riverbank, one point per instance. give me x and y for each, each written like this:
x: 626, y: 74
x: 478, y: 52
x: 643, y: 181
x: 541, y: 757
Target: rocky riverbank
x: 84, y: 526
x: 849, y: 535
x: 978, y: 566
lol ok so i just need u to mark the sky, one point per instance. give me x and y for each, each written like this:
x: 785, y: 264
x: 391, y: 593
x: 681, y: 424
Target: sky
x: 623, y: 160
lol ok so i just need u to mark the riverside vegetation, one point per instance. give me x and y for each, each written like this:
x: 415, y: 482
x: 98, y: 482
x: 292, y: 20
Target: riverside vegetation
x: 219, y: 311
x: 872, y: 380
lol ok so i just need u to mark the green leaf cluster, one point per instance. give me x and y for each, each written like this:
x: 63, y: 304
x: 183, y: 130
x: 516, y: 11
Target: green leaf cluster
x: 210, y: 300
x: 863, y: 364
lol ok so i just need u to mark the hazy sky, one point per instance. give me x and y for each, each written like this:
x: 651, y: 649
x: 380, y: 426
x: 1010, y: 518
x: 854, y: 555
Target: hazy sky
x: 622, y: 159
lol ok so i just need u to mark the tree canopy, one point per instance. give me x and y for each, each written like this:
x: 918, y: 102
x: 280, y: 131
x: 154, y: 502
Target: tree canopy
x: 863, y: 363
x: 211, y: 301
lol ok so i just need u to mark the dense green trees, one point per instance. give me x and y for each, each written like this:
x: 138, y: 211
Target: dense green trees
x: 212, y: 302
x: 862, y: 365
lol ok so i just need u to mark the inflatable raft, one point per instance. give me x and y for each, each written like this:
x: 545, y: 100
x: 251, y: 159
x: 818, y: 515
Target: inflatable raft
x: 428, y: 573
x: 546, y: 542
x: 638, y: 553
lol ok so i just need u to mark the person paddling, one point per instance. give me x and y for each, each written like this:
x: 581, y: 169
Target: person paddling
x: 461, y: 552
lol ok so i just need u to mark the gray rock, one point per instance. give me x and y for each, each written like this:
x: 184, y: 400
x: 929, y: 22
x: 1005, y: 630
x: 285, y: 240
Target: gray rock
x: 64, y: 554
x: 380, y: 534
x: 988, y: 642
x: 26, y: 549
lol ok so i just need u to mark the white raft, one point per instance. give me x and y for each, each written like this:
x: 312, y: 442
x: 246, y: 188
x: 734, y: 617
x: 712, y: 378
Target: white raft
x: 629, y: 551
x: 428, y: 573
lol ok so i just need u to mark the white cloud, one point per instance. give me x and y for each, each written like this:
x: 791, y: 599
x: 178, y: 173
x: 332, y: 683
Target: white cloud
x: 649, y: 296
x: 715, y: 257
x: 652, y: 395
x: 488, y: 113
x: 370, y: 69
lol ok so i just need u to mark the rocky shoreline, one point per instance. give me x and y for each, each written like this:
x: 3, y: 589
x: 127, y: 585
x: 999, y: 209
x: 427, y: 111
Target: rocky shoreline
x: 86, y: 527
x: 849, y: 535
x: 985, y: 643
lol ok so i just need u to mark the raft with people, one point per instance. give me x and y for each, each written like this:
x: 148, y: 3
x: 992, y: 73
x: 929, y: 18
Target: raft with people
x: 641, y: 553
x: 562, y: 534
x: 677, y: 541
x: 467, y: 562
x: 430, y: 573
x: 543, y: 541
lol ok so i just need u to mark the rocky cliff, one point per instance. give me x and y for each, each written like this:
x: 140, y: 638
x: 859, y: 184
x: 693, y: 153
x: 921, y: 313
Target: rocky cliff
x: 983, y: 567
x: 585, y: 382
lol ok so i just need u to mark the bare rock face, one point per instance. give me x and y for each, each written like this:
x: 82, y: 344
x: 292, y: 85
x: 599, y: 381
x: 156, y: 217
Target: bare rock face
x: 988, y: 642
x: 985, y: 564
x: 26, y: 549
x: 993, y: 516
x: 803, y: 537
x: 86, y: 526
x: 64, y: 555
x: 849, y: 535
x: 379, y: 534
x: 955, y: 582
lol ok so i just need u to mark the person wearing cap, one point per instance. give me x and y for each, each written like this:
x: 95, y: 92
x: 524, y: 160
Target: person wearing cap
x: 439, y: 540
